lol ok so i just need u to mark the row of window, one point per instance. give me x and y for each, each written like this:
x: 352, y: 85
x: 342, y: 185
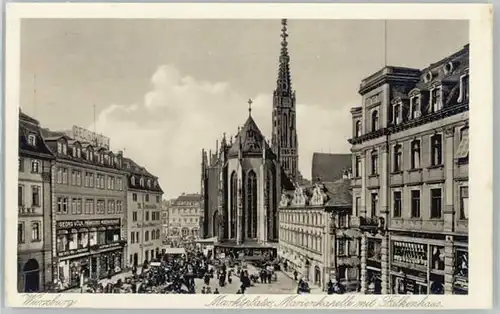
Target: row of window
x: 192, y: 220
x: 99, y: 156
x: 36, y: 231
x: 145, y: 198
x: 66, y: 205
x: 315, y: 219
x: 185, y: 232
x: 83, y: 239
x: 101, y: 181
x: 149, y: 182
x: 186, y: 210
x: 135, y: 236
x: 436, y: 203
x: 155, y: 216
x: 35, y: 195
x: 34, y: 166
x: 436, y: 156
x: 415, y: 110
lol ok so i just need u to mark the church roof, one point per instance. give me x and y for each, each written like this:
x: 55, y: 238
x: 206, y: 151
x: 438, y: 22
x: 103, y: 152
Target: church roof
x: 329, y: 167
x: 251, y: 140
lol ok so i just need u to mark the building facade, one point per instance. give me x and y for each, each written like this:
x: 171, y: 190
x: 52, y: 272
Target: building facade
x: 410, y: 185
x: 89, y: 221
x: 315, y: 235
x: 144, y: 199
x: 184, y: 218
x: 34, y: 209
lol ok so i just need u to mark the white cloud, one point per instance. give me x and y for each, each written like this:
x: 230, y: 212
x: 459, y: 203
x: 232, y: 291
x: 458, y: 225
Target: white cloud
x: 181, y: 115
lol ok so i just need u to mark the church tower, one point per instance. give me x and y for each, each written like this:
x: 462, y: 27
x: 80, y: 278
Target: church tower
x: 284, y: 136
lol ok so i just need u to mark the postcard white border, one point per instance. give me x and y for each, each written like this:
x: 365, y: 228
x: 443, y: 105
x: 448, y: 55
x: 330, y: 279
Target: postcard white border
x: 481, y: 157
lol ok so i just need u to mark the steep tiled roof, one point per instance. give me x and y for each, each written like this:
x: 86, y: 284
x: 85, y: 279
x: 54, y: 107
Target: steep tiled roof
x: 189, y: 198
x: 251, y: 140
x: 135, y: 169
x: 30, y: 126
x: 339, y: 193
x: 329, y: 167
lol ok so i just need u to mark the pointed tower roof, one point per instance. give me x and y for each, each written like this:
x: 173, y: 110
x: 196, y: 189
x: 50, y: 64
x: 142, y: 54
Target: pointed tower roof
x: 284, y: 82
x: 251, y: 140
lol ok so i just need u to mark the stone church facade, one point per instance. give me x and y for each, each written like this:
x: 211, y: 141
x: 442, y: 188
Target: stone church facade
x: 242, y: 181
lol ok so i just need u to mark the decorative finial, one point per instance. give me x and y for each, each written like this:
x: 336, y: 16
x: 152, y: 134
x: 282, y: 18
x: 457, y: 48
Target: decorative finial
x: 250, y: 102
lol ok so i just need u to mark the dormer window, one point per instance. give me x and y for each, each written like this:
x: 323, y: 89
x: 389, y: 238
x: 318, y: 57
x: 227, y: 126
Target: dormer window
x: 357, y: 129
x: 132, y: 180
x: 64, y: 149
x: 397, y: 112
x: 59, y: 148
x: 74, y: 152
x: 78, y: 152
x: 106, y: 159
x: 32, y: 140
x: 436, y: 98
x: 374, y: 120
x: 97, y: 159
x: 415, y: 107
x: 101, y: 158
x: 141, y: 182
x: 149, y: 183
x: 90, y: 154
x: 464, y: 88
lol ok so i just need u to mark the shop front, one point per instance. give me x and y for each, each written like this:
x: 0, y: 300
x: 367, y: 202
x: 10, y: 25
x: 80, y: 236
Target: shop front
x: 417, y: 268
x: 373, y: 266
x: 88, y: 249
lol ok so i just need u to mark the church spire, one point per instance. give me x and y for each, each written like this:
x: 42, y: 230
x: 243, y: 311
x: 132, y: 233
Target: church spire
x: 284, y: 83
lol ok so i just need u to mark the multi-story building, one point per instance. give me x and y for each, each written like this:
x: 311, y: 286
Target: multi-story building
x: 89, y: 226
x: 410, y: 186
x: 184, y: 217
x: 144, y: 198
x: 315, y: 239
x: 34, y: 209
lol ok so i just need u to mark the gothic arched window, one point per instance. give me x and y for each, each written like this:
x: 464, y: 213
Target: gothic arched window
x: 251, y: 197
x: 215, y: 224
x: 233, y: 204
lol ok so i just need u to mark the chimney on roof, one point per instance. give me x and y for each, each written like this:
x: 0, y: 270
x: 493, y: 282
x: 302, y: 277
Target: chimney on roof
x: 120, y: 152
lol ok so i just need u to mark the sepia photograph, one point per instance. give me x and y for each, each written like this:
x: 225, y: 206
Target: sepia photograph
x: 243, y: 156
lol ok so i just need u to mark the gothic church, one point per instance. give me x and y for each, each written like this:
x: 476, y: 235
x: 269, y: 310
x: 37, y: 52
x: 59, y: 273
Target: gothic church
x: 242, y: 181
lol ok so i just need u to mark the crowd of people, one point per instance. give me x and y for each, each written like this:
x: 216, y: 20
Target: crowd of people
x: 177, y: 273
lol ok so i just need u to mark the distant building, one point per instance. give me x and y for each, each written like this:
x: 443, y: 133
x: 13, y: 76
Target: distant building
x: 89, y: 210
x: 144, y: 198
x: 34, y: 233
x: 410, y: 181
x: 184, y: 218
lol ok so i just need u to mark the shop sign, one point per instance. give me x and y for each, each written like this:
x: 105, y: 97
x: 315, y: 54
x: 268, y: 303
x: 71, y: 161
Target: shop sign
x: 147, y: 206
x: 66, y: 224
x: 107, y: 246
x: 73, y: 252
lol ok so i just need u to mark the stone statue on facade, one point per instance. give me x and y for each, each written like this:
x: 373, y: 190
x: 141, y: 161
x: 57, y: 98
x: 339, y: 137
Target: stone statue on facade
x: 284, y: 202
x: 299, y: 198
x: 318, y: 196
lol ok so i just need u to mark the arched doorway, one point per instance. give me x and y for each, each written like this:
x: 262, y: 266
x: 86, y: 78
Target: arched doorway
x: 31, y: 272
x: 317, y: 275
x: 136, y: 259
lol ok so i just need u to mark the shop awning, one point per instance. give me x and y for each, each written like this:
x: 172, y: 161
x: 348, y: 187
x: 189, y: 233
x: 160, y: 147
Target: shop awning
x: 74, y: 231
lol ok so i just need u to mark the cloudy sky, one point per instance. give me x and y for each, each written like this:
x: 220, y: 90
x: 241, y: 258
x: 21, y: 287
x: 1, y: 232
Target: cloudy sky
x: 164, y: 89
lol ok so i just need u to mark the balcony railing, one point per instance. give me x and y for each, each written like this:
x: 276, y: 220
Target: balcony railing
x: 24, y: 210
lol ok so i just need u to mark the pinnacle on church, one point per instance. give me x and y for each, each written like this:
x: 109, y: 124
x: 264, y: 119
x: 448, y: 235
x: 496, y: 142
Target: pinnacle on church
x: 284, y: 80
